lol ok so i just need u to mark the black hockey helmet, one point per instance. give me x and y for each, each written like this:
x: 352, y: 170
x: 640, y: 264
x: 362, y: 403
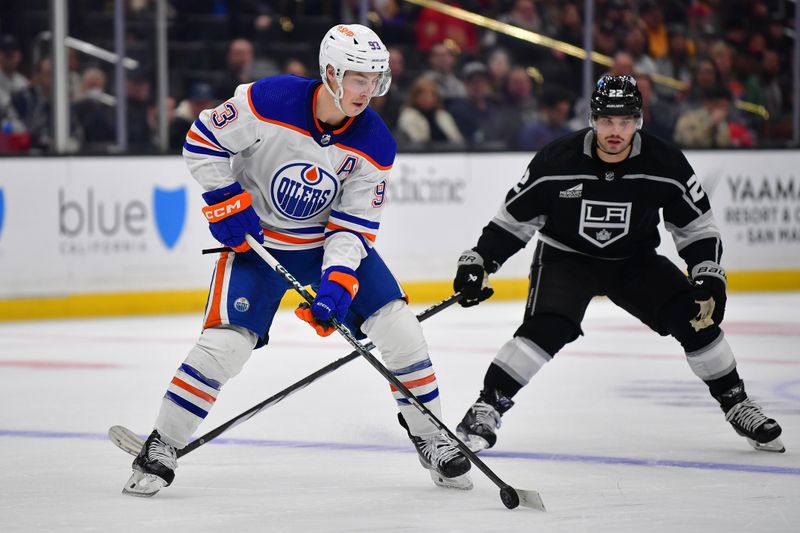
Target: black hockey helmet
x: 616, y: 95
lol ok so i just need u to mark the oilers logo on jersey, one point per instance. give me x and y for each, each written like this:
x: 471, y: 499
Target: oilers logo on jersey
x: 302, y: 190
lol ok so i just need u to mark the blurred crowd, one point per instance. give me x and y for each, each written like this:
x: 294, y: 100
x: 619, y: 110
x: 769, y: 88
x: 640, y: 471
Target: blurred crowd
x: 455, y: 86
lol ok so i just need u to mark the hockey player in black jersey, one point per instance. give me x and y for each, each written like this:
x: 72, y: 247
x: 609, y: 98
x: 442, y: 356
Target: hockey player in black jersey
x: 594, y: 197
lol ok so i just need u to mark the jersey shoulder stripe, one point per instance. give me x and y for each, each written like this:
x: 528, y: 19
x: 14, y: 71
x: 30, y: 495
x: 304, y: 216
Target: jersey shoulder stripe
x: 372, y: 140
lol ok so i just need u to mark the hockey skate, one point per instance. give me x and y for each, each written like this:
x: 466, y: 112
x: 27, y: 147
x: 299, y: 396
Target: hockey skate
x: 153, y: 469
x: 441, y: 457
x: 478, y: 428
x: 749, y: 420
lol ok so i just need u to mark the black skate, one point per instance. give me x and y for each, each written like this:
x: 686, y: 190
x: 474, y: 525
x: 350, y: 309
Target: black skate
x: 749, y: 420
x: 478, y: 428
x: 438, y: 453
x: 153, y: 469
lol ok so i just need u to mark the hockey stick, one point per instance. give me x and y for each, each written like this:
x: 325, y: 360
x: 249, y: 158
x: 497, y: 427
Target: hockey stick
x: 130, y: 442
x: 510, y: 496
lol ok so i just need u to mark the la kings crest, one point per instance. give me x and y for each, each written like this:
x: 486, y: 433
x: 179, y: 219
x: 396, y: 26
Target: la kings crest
x: 603, y: 223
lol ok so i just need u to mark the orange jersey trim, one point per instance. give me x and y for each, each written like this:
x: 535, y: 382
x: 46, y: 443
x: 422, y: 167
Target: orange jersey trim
x: 333, y: 226
x: 365, y: 156
x: 195, y: 137
x: 291, y: 240
x: 316, y: 121
x: 214, y: 318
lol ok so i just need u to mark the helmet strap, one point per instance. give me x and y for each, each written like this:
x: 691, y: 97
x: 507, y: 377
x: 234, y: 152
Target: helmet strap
x: 338, y: 93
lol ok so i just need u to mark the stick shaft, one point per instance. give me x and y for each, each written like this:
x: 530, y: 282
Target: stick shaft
x: 297, y: 286
x: 303, y: 383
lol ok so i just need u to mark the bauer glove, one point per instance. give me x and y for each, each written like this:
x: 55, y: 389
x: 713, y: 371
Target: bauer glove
x: 472, y: 280
x: 710, y: 282
x: 337, y: 288
x: 231, y: 216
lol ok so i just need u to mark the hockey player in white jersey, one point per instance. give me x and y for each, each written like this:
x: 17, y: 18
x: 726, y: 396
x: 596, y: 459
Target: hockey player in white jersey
x: 302, y: 165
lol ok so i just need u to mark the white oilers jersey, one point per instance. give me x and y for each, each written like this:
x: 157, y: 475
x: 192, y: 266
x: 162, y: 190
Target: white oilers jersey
x: 311, y: 187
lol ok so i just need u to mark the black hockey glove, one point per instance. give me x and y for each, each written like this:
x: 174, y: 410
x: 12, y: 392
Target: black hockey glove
x: 710, y: 284
x: 472, y: 280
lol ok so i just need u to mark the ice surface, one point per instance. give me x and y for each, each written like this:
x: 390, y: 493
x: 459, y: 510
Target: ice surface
x: 616, y: 433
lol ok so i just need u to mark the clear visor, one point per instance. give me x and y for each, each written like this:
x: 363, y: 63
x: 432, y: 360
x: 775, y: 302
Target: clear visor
x: 367, y: 82
x: 624, y: 123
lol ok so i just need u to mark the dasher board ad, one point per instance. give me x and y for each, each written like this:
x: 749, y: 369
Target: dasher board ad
x: 100, y: 225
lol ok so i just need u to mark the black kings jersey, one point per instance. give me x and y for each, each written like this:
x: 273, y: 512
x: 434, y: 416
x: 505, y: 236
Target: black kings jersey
x: 584, y: 205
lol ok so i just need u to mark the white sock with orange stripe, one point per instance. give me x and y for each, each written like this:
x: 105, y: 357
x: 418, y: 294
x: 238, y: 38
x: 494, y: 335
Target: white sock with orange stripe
x: 398, y: 335
x: 420, y: 379
x: 220, y: 354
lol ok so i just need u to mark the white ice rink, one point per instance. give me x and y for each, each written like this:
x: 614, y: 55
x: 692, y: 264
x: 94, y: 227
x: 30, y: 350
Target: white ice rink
x: 616, y: 433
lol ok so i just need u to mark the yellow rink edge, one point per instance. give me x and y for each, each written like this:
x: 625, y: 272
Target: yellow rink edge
x: 189, y: 301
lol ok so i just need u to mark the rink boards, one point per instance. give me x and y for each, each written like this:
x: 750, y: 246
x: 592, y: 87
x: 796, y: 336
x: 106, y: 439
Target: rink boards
x: 123, y: 235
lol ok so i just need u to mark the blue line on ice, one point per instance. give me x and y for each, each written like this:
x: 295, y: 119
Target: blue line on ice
x: 534, y: 456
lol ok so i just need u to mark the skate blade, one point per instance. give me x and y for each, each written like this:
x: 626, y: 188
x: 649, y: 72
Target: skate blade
x: 462, y: 482
x: 475, y: 443
x: 775, y: 445
x: 143, y: 485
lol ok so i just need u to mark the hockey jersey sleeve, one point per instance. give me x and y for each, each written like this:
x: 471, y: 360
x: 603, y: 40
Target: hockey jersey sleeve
x: 355, y: 217
x: 216, y: 135
x: 688, y: 217
x: 522, y: 213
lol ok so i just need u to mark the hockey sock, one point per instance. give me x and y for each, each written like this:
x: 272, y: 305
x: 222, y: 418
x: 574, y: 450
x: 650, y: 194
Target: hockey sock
x: 420, y: 379
x: 713, y: 361
x: 520, y: 359
x: 218, y: 355
x: 498, y: 379
x: 724, y: 384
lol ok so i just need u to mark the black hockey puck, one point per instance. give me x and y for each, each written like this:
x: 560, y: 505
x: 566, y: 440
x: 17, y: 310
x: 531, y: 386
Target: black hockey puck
x: 510, y: 497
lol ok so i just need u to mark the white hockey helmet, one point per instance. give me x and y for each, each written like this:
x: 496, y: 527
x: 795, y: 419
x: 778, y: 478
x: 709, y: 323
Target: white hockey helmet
x: 357, y: 48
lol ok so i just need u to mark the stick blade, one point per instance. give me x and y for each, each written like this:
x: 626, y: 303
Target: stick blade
x: 125, y: 439
x: 530, y: 499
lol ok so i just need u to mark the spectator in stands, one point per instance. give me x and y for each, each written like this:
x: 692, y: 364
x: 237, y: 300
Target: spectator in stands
x: 443, y: 61
x: 402, y: 78
x: 704, y: 78
x: 658, y: 117
x: 519, y: 94
x: 676, y: 63
x: 722, y: 55
x: 296, y: 67
x: 711, y: 125
x: 656, y: 31
x: 523, y: 14
x: 140, y: 134
x: 481, y: 120
x: 623, y: 65
x: 552, y: 123
x: 433, y: 27
x: 635, y: 43
x: 423, y: 119
x: 239, y: 61
x: 770, y: 87
x: 11, y: 80
x: 499, y: 65
x: 33, y: 106
x: 199, y: 97
x: 95, y: 113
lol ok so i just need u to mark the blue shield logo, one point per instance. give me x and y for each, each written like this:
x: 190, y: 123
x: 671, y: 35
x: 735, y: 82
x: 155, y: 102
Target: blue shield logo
x: 170, y: 214
x: 1, y: 211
